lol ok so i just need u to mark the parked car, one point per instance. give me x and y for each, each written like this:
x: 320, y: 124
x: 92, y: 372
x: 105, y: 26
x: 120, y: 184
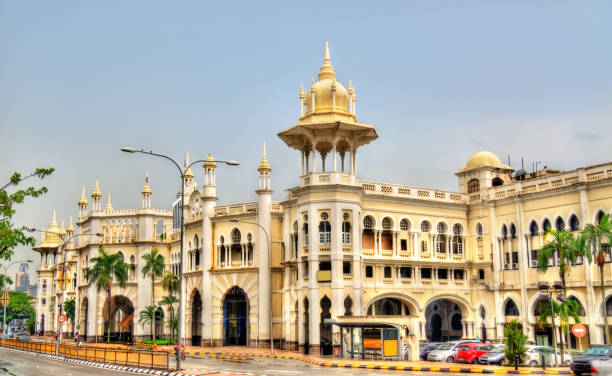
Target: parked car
x: 470, y: 352
x: 23, y: 338
x: 601, y: 367
x: 535, y: 353
x: 582, y: 364
x: 426, y: 348
x: 497, y: 355
x: 5, y: 336
x: 446, y: 352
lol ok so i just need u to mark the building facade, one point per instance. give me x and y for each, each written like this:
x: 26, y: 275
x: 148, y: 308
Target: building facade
x: 440, y: 264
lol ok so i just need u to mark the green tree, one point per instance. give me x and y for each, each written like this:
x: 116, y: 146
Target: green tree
x: 515, y: 343
x: 5, y: 281
x: 170, y: 283
x: 598, y: 237
x: 170, y: 301
x: 563, y: 244
x: 10, y: 235
x: 69, y: 309
x: 19, y: 307
x: 154, y: 267
x: 106, y: 268
x: 147, y: 316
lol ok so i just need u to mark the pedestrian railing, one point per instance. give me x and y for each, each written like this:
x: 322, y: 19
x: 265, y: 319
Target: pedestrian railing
x: 133, y: 358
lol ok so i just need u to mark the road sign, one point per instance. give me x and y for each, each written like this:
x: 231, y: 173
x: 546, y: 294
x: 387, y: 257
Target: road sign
x: 61, y: 318
x: 5, y: 299
x: 579, y: 330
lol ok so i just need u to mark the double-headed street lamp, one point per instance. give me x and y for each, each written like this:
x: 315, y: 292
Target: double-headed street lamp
x: 5, y: 290
x: 181, y: 292
x: 270, y: 264
x: 63, y: 252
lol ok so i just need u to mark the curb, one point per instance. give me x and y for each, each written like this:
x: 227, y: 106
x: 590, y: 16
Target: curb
x: 377, y: 366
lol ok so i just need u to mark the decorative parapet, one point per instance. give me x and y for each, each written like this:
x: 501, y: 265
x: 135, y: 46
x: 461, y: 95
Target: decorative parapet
x: 238, y: 209
x: 416, y: 193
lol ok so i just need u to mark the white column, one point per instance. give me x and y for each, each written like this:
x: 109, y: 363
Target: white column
x: 357, y: 264
x: 313, y: 284
x: 264, y: 219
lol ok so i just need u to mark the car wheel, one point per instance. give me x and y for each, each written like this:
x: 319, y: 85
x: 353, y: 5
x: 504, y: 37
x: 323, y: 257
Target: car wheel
x: 450, y: 359
x: 475, y: 361
x: 533, y: 363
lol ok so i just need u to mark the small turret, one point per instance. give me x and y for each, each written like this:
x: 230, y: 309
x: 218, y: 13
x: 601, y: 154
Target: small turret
x: 146, y: 193
x: 83, y: 204
x: 264, y: 170
x: 70, y: 229
x: 96, y: 197
x: 210, y: 167
x: 109, y: 206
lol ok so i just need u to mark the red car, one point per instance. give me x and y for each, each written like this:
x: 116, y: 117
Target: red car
x: 470, y: 352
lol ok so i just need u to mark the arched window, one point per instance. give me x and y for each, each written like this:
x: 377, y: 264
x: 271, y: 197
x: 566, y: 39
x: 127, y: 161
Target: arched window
x: 441, y: 238
x: 197, y: 258
x: 559, y: 224
x: 457, y: 241
x: 600, y: 215
x: 425, y: 226
x: 367, y: 237
x: 511, y: 309
x: 346, y: 232
x: 324, y: 232
x: 497, y: 182
x: 305, y: 230
x: 404, y: 225
x: 581, y: 311
x: 512, y: 231
x: 388, y: 272
x: 546, y: 225
x: 386, y: 223
x: 533, y: 228
x: 221, y: 251
x: 473, y: 186
x: 386, y: 237
x: 574, y: 223
x: 388, y: 307
x: 159, y: 227
x: 504, y: 232
x: 236, y: 236
x: 369, y: 271
x: 479, y: 229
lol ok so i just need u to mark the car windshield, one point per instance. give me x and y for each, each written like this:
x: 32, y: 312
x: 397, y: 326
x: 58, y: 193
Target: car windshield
x: 432, y: 347
x: 464, y: 347
x: 597, y: 350
x: 498, y: 350
x: 446, y: 346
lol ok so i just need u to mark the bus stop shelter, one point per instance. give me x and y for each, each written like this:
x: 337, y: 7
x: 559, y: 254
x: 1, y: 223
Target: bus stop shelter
x: 369, y: 340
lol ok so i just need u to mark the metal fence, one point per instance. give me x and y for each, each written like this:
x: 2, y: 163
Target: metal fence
x: 134, y: 358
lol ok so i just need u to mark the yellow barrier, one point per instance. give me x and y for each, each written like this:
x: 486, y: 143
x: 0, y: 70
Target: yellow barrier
x: 134, y: 358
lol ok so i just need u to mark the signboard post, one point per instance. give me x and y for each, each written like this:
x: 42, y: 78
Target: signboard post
x: 61, y: 319
x: 579, y: 331
x: 5, y: 299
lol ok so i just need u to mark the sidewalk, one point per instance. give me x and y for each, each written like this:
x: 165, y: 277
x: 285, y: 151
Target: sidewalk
x: 239, y: 353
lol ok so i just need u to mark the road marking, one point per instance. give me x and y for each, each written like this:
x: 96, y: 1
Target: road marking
x: 279, y: 370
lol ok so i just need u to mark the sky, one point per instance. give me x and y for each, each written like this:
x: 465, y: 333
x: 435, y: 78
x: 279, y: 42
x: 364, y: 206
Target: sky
x: 440, y: 80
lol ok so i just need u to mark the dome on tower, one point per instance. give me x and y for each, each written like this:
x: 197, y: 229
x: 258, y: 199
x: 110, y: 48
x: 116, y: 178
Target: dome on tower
x: 146, y: 188
x: 482, y: 159
x: 210, y: 161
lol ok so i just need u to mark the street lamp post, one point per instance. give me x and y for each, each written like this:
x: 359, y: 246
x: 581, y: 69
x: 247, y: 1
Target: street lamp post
x: 181, y: 292
x: 5, y: 290
x: 63, y: 252
x: 270, y: 263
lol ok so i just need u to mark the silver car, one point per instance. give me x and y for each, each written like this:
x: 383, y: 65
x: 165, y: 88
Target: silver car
x: 602, y: 367
x: 446, y: 352
x: 535, y: 353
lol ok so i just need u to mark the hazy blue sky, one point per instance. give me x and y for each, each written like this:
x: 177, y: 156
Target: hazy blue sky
x: 439, y: 79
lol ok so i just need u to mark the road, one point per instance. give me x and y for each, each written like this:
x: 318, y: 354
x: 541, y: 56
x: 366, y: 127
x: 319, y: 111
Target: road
x: 14, y: 363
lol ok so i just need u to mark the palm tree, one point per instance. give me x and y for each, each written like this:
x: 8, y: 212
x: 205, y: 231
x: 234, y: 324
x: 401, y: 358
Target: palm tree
x: 107, y: 267
x: 515, y: 343
x: 154, y: 267
x: 170, y: 301
x: 170, y: 282
x: 147, y: 316
x: 563, y: 244
x: 566, y: 309
x: 596, y: 236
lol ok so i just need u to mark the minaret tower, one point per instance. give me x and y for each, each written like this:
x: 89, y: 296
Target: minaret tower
x: 96, y: 197
x: 146, y: 193
x: 188, y: 176
x: 264, y: 219
x: 83, y: 205
x: 209, y: 201
x: 109, y: 206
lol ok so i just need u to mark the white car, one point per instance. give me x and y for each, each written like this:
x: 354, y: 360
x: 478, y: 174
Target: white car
x: 446, y: 352
x: 535, y: 353
x: 602, y: 367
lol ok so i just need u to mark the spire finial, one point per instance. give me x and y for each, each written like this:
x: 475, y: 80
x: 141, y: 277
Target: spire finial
x: 264, y: 165
x: 96, y: 191
x: 264, y: 149
x: 54, y: 220
x: 146, y: 188
x: 109, y: 206
x: 147, y: 177
x: 327, y: 70
x: 186, y: 159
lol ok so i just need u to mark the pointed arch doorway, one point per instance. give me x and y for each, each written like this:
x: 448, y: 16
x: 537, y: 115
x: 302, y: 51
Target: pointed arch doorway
x: 235, y: 316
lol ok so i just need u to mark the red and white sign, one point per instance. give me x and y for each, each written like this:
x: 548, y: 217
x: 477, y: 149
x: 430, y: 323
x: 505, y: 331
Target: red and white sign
x: 579, y: 330
x: 61, y: 318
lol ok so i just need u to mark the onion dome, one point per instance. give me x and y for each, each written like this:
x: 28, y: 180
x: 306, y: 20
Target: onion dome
x: 70, y: 228
x: 96, y: 191
x: 264, y: 165
x: 210, y: 161
x: 108, y: 206
x: 83, y: 199
x: 146, y: 189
